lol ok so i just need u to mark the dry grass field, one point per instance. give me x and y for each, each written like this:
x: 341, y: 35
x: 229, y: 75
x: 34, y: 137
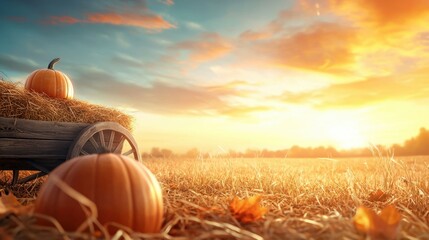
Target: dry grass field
x: 305, y: 198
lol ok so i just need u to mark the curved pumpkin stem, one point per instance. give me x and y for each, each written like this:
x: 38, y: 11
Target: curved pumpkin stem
x: 52, y: 63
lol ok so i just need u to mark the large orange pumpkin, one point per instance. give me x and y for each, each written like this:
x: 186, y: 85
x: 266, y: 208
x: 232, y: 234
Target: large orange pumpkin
x: 51, y: 82
x: 123, y: 190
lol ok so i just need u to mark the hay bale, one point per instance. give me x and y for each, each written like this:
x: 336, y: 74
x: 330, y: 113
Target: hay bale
x: 16, y: 102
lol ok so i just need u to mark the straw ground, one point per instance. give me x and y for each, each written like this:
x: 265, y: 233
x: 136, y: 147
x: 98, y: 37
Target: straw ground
x: 306, y: 198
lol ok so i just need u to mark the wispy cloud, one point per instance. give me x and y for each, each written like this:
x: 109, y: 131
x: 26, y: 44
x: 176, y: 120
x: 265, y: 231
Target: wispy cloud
x: 128, y: 60
x: 18, y: 64
x: 62, y: 20
x: 147, y: 21
x: 410, y: 86
x: 208, y: 46
x: 194, y: 26
x: 167, y: 2
x: 320, y: 47
x: 132, y: 13
x: 160, y: 97
x: 379, y: 14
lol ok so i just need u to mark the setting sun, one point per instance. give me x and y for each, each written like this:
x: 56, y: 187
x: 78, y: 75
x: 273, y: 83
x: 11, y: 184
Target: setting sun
x: 347, y: 136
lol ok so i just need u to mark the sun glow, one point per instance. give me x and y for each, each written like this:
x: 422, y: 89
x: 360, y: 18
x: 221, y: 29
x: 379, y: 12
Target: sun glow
x: 347, y: 135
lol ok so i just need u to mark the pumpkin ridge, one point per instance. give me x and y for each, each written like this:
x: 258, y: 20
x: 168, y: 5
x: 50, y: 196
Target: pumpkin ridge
x: 66, y: 92
x: 70, y: 90
x: 34, y: 81
x: 70, y: 179
x: 59, y: 84
x: 131, y: 186
x: 29, y: 82
x: 51, y: 86
x: 93, y: 196
x: 56, y: 194
x: 155, y: 189
x: 149, y: 199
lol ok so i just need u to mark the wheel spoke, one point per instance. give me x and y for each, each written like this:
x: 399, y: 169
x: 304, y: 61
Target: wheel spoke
x: 120, y: 143
x: 112, y: 137
x: 101, y: 135
x: 83, y: 152
x: 128, y: 152
x: 94, y: 143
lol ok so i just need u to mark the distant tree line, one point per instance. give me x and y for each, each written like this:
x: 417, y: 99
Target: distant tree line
x: 418, y: 145
x: 415, y: 146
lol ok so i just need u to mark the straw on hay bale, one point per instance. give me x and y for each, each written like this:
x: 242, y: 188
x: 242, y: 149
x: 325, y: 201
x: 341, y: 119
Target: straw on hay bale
x: 16, y: 102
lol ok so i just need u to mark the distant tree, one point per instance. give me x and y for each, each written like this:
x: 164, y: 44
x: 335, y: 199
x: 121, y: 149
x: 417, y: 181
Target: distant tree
x: 155, y: 152
x: 145, y: 155
x: 398, y: 150
x: 417, y: 145
x: 233, y: 154
x: 166, y: 153
x: 192, y: 153
x: 252, y: 153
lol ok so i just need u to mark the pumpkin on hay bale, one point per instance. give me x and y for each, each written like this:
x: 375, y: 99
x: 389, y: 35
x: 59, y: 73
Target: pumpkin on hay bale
x: 51, y: 82
x: 17, y: 102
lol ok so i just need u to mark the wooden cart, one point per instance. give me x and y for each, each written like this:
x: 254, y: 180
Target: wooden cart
x: 43, y: 145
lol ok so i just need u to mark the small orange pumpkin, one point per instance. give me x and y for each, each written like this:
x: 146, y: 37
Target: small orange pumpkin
x: 51, y: 82
x: 123, y: 190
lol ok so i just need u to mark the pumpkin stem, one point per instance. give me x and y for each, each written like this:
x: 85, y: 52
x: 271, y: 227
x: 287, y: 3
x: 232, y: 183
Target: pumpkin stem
x: 52, y: 63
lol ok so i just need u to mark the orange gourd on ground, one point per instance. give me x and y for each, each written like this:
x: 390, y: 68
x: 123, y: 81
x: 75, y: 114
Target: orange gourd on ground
x: 51, y: 82
x: 124, y: 191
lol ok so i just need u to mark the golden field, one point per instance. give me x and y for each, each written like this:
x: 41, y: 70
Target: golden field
x: 305, y: 198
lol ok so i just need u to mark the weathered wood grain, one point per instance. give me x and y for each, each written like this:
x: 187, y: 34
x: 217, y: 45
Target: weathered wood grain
x: 31, y: 129
x: 33, y: 149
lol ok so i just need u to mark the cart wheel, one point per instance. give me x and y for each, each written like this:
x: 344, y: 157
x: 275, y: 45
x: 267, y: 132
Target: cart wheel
x: 104, y: 137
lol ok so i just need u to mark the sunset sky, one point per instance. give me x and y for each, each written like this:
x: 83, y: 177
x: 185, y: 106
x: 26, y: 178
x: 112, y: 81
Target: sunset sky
x: 230, y: 74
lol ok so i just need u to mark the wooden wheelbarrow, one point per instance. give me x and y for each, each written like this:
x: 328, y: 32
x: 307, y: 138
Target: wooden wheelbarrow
x: 43, y: 145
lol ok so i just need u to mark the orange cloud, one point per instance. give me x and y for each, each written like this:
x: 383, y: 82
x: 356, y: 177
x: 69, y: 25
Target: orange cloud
x: 229, y: 88
x: 147, y: 21
x: 62, y: 19
x: 321, y: 47
x: 362, y: 38
x: 242, y: 111
x: 382, y: 13
x: 164, y: 98
x: 276, y: 26
x: 208, y: 47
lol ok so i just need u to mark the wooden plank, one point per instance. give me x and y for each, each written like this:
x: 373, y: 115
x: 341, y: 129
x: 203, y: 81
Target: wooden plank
x: 29, y: 148
x: 31, y: 129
